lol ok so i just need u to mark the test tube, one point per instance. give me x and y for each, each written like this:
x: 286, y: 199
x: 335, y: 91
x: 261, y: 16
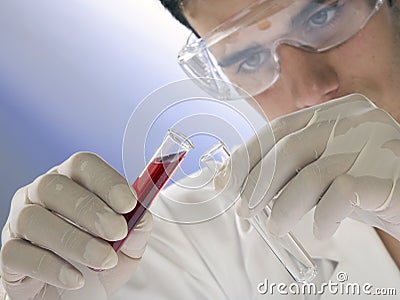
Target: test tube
x: 287, y: 248
x: 155, y: 176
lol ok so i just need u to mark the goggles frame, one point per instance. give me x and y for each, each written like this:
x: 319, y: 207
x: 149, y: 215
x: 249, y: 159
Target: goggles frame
x: 199, y: 64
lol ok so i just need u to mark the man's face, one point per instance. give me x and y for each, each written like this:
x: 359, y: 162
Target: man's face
x: 368, y: 63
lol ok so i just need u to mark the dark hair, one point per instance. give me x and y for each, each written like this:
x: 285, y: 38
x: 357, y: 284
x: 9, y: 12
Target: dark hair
x: 175, y: 8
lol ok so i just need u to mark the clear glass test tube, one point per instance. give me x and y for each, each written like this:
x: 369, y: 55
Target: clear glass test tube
x: 155, y: 176
x: 287, y: 248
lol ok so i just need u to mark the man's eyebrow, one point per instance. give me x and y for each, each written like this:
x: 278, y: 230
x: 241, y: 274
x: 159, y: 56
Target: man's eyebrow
x: 238, y: 56
x: 309, y: 8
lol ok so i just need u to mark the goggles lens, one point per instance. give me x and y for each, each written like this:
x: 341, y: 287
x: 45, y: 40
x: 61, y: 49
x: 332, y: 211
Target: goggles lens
x: 243, y: 50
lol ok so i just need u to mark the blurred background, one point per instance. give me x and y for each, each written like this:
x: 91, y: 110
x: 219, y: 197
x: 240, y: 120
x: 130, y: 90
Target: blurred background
x: 71, y: 73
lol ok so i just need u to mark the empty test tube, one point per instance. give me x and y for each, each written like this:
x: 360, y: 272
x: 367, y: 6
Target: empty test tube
x: 287, y: 248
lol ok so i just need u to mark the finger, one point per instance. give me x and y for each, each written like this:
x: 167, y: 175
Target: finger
x: 292, y: 153
x: 389, y: 209
x: 338, y: 203
x: 18, y: 201
x: 25, y: 288
x: 331, y: 111
x: 347, y: 106
x: 303, y: 192
x: 36, y: 224
x: 245, y: 157
x: 67, y: 198
x: 378, y: 202
x: 258, y: 157
x: 261, y: 143
x: 374, y: 193
x: 328, y: 112
x: 136, y: 242
x: 19, y: 256
x: 367, y: 197
x: 93, y: 173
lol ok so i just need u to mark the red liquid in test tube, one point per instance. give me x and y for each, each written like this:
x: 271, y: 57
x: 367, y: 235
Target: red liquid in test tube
x: 147, y: 187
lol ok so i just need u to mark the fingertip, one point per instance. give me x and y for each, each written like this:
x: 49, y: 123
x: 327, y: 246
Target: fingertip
x: 70, y: 278
x: 111, y: 260
x: 124, y: 230
x: 317, y: 232
x: 99, y: 254
x: 323, y: 233
x: 111, y: 226
x: 122, y: 198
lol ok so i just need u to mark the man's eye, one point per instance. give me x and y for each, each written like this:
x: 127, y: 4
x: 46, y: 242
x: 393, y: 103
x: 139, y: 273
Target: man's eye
x: 253, y: 62
x: 323, y: 16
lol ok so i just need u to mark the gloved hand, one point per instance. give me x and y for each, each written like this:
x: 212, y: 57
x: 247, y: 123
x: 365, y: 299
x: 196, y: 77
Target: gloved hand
x: 44, y: 256
x: 341, y: 157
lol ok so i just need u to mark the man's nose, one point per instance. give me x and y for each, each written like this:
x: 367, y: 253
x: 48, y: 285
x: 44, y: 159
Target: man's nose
x: 308, y: 76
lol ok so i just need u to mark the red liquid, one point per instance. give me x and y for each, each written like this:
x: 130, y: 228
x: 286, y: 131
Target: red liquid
x: 147, y: 187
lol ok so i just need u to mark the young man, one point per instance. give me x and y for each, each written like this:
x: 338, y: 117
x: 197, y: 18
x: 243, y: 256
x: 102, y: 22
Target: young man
x: 291, y: 56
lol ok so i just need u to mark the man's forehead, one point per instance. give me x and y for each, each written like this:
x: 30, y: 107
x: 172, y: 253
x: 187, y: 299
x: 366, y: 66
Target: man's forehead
x: 205, y: 15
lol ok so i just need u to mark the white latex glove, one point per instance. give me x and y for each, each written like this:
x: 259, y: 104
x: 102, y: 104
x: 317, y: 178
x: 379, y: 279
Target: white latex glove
x: 341, y: 157
x: 46, y: 257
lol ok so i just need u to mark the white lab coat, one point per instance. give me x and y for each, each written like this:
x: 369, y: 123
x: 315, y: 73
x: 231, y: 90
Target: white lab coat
x: 224, y: 258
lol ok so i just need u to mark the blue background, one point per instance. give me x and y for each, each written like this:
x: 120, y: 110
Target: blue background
x: 71, y: 73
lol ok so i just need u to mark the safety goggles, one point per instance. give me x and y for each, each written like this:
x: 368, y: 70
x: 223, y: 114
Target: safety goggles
x: 243, y: 51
